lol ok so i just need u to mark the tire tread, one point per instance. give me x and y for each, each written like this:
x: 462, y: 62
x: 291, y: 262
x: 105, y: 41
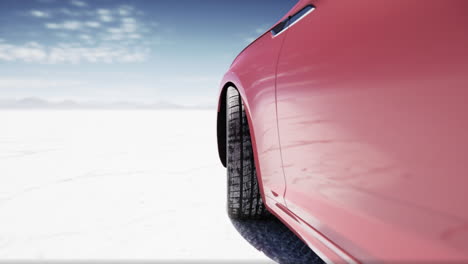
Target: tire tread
x: 244, y: 199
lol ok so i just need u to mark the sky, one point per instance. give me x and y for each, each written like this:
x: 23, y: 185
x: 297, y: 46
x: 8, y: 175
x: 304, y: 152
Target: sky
x: 142, y: 51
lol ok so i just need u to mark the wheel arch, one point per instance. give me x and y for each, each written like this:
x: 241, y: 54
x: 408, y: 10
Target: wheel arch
x: 221, y: 116
x: 231, y: 80
x: 221, y: 123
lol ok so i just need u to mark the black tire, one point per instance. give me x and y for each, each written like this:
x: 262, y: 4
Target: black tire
x: 276, y: 241
x: 244, y: 200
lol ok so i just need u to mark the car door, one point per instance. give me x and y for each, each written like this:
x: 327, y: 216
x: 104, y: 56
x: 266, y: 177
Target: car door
x: 371, y: 100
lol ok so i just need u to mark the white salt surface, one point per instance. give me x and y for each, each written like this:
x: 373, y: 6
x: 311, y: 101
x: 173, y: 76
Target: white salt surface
x: 143, y: 185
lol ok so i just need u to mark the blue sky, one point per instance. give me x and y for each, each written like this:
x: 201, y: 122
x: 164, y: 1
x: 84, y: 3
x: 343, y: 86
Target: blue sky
x: 142, y: 50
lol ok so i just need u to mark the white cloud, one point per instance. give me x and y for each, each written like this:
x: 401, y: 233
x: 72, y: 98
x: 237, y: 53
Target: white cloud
x: 129, y: 25
x: 69, y: 12
x: 39, y: 14
x: 4, y: 52
x: 129, y: 28
x: 128, y: 20
x: 125, y: 10
x: 52, y: 26
x: 30, y: 52
x: 73, y: 53
x: 105, y: 15
x: 135, y: 36
x: 103, y: 11
x: 133, y: 57
x: 104, y: 54
x: 105, y: 18
x: 78, y: 3
x: 85, y: 37
x: 67, y: 25
x: 93, y: 24
x: 115, y: 30
x: 71, y: 25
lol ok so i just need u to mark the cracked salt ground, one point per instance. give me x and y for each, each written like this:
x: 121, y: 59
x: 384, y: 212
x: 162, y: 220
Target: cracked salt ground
x: 118, y: 185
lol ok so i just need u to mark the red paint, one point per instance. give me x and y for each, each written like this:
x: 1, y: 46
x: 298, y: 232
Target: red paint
x: 372, y: 105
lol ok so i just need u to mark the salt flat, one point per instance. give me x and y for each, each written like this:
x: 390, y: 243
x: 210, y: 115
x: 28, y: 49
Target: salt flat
x: 114, y: 185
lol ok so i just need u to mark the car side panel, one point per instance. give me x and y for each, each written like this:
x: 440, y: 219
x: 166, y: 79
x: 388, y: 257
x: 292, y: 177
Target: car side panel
x: 372, y: 111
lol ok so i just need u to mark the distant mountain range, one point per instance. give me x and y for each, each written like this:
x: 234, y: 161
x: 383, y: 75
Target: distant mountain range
x: 39, y: 103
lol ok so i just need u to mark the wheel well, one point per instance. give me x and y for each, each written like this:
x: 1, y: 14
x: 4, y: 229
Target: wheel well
x: 221, y: 123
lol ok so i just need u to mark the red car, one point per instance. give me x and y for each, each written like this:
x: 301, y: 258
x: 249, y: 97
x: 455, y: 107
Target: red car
x: 348, y: 120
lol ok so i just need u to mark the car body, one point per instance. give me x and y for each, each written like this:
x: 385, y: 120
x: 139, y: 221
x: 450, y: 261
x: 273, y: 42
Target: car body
x: 358, y: 113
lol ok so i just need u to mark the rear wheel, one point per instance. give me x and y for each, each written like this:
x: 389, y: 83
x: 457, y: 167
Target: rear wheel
x: 244, y: 199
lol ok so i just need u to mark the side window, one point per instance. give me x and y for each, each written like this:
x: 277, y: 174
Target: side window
x: 280, y: 27
x: 290, y: 21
